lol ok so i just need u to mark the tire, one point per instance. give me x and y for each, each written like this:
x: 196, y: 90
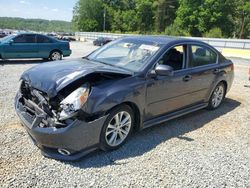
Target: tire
x: 115, y: 133
x: 217, y: 96
x: 55, y: 55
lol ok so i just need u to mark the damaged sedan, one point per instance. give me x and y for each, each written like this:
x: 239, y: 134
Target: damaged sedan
x: 71, y: 108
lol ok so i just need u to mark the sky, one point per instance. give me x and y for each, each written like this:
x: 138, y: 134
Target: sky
x: 45, y: 9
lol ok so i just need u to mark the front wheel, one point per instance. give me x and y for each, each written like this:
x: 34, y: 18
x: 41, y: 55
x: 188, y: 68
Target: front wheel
x: 55, y: 56
x: 217, y: 96
x: 117, y: 128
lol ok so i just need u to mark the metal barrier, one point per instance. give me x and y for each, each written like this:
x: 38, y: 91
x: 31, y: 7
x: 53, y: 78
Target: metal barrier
x: 217, y: 43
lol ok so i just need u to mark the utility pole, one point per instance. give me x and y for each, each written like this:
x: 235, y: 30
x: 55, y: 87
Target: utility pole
x: 104, y: 19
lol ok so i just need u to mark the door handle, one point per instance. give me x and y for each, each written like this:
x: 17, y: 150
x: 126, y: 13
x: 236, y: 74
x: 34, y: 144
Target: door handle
x: 187, y: 78
x: 216, y: 71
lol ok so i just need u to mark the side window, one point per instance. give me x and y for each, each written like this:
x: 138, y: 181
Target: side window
x: 174, y: 57
x: 19, y: 39
x: 200, y: 56
x: 25, y: 39
x: 43, y: 39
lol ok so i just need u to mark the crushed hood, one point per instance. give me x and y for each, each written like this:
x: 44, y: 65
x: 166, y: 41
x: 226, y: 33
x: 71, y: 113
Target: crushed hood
x: 51, y: 77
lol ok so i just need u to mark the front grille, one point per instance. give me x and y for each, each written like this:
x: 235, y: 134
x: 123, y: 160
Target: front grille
x: 36, y: 104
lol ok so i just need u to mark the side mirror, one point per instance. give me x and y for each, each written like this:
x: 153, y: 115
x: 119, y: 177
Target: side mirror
x: 164, y: 70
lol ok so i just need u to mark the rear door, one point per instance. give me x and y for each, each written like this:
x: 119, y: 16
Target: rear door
x: 45, y: 46
x: 23, y: 46
x: 202, y: 68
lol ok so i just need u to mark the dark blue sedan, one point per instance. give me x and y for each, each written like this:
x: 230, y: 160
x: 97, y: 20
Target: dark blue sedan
x: 30, y: 45
x: 70, y: 109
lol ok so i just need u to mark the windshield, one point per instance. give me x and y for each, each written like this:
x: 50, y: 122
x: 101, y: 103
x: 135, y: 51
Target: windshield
x: 127, y: 54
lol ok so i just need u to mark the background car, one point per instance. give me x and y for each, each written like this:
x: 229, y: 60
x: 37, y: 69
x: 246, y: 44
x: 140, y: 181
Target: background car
x: 2, y: 34
x: 100, y: 41
x: 30, y: 45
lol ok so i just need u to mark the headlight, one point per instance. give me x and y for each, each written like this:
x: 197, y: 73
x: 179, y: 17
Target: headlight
x: 73, y: 102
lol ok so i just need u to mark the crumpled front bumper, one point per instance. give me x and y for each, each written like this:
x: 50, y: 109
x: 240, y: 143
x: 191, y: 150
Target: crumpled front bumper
x: 79, y: 137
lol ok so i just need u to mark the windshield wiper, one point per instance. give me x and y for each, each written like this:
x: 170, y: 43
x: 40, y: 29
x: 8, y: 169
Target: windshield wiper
x: 85, y: 57
x: 110, y: 65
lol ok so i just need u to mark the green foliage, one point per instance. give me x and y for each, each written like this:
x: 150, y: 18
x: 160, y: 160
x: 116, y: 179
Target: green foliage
x: 213, y: 18
x: 242, y: 19
x: 198, y: 17
x: 88, y: 15
x: 35, y: 24
x: 144, y: 15
x: 174, y: 30
x: 210, y: 18
x: 165, y: 13
x: 124, y: 21
x: 214, y: 33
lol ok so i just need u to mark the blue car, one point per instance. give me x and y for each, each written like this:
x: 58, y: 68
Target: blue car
x: 30, y: 45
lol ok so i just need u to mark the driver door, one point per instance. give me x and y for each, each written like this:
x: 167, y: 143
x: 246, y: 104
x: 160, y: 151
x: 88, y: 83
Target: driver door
x: 23, y: 46
x: 166, y: 94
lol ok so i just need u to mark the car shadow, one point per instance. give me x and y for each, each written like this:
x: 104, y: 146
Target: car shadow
x: 21, y: 61
x: 144, y: 141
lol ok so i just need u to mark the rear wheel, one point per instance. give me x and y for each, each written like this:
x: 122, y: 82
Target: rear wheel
x: 217, y: 96
x: 55, y: 56
x: 117, y: 128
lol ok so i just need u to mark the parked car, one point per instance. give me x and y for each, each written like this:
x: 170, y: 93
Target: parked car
x: 66, y: 38
x: 100, y: 41
x: 70, y: 109
x: 30, y: 45
x: 2, y: 34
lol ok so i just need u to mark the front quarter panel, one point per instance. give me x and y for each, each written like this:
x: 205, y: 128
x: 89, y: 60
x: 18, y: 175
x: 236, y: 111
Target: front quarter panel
x: 104, y: 97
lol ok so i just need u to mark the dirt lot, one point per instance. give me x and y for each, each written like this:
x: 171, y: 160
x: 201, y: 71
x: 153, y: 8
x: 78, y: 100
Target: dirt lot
x: 202, y: 149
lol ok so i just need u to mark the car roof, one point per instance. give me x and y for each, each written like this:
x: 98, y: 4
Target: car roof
x: 162, y: 39
x: 29, y: 33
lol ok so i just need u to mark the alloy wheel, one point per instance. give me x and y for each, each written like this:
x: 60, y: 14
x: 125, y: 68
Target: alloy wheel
x: 218, y: 96
x: 118, y: 128
x: 56, y: 56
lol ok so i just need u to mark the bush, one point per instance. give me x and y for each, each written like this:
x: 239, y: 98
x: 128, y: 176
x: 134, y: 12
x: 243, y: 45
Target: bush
x: 214, y: 33
x: 174, y: 30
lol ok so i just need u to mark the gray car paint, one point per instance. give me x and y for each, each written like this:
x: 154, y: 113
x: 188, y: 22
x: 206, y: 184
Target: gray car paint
x: 152, y: 97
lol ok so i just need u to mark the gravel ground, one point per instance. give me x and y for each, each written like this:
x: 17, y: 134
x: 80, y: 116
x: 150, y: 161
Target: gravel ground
x: 202, y: 149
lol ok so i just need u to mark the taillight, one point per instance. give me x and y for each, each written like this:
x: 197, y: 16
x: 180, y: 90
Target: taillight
x: 68, y: 45
x: 249, y: 74
x: 232, y: 67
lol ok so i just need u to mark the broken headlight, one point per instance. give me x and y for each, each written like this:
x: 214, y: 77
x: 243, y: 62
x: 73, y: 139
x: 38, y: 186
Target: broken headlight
x: 73, y: 102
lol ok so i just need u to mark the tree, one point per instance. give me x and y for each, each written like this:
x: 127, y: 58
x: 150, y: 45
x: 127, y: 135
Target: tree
x: 88, y: 15
x: 120, y: 15
x: 242, y: 18
x: 198, y: 17
x: 217, y: 14
x: 145, y: 15
x: 35, y: 24
x: 120, y: 4
x: 165, y: 13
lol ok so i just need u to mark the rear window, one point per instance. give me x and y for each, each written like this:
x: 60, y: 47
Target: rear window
x: 201, y: 56
x: 43, y: 39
